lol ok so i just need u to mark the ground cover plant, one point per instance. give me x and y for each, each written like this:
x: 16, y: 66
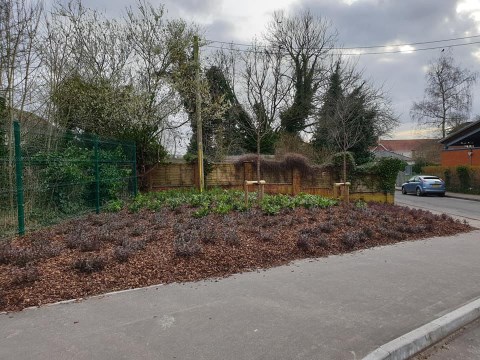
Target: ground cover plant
x: 186, y: 236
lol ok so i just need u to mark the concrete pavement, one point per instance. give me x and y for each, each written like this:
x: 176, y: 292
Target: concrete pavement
x: 341, y: 307
x: 464, y: 344
x: 463, y: 196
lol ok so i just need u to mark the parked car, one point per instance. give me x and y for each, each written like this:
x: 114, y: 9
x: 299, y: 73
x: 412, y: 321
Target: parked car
x: 423, y: 185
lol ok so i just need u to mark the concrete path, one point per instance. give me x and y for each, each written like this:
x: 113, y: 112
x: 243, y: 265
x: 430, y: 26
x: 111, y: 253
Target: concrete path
x: 463, y: 196
x: 464, y: 345
x: 341, y: 307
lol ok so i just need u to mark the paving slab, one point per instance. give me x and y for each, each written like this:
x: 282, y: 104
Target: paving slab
x: 340, y: 307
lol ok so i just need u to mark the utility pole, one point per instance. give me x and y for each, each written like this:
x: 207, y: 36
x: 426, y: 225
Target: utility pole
x: 198, y: 109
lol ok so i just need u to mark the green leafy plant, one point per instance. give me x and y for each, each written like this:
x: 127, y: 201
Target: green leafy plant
x: 382, y: 173
x: 114, y: 205
x: 204, y: 211
x: 219, y: 201
x: 68, y: 180
x: 463, y: 174
x: 223, y: 208
x: 448, y: 177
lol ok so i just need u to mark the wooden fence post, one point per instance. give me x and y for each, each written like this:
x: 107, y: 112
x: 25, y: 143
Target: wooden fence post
x: 296, y: 182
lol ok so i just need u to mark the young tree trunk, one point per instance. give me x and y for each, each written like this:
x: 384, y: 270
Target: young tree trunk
x: 344, y: 186
x: 260, y: 194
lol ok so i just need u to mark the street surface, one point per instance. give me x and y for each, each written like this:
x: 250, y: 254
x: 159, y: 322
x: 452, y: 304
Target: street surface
x: 457, y: 208
x: 464, y: 345
x: 340, y: 307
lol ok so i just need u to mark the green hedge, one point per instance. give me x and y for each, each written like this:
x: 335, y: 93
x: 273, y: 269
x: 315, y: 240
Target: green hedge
x: 464, y: 179
x: 381, y: 173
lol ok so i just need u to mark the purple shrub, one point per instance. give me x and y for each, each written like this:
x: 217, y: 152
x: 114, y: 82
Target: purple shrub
x: 89, y: 264
x: 24, y: 276
x: 186, y: 243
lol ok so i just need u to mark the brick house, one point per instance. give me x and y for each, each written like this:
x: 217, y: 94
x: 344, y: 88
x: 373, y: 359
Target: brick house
x: 462, y: 147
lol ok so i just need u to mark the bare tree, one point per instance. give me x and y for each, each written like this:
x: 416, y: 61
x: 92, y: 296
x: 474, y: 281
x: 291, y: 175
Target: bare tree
x: 115, y: 77
x: 19, y: 21
x: 306, y: 40
x: 346, y: 130
x: 448, y: 99
x: 157, y: 43
x: 265, y: 91
x: 98, y: 47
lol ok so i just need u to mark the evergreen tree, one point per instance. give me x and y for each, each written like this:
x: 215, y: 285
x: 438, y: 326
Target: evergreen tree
x: 219, y: 130
x: 365, y: 119
x: 326, y: 116
x: 356, y: 112
x: 258, y: 135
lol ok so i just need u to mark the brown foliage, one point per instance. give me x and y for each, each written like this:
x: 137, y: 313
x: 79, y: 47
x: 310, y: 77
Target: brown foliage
x: 288, y: 163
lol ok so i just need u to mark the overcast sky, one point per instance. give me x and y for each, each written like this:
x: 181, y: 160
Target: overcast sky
x: 359, y: 23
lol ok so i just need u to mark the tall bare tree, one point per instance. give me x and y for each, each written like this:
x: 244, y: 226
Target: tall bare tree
x: 448, y: 99
x: 19, y: 22
x: 266, y: 88
x: 306, y: 41
x: 97, y: 46
x: 347, y: 129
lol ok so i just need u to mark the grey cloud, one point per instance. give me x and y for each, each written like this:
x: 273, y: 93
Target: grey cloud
x: 381, y: 22
x: 220, y: 30
x: 196, y: 7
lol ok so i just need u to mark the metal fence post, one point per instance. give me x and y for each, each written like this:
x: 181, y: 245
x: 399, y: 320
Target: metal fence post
x: 97, y: 177
x: 135, y: 180
x: 19, y: 178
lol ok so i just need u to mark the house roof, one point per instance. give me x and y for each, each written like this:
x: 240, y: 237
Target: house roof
x: 390, y: 154
x: 399, y: 146
x: 468, y: 135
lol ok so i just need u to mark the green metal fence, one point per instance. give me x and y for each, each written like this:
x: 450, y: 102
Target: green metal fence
x: 51, y: 175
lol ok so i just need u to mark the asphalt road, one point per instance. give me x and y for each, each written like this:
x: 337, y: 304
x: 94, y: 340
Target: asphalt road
x: 458, y: 208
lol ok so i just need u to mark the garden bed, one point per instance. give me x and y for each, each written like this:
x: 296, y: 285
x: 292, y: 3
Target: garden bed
x: 155, y: 244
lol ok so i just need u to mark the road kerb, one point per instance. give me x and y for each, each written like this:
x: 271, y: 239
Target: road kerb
x: 427, y: 335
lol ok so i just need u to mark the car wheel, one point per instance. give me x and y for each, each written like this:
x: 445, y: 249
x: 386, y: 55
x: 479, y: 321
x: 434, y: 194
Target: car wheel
x: 404, y: 192
x: 419, y: 191
x: 441, y: 194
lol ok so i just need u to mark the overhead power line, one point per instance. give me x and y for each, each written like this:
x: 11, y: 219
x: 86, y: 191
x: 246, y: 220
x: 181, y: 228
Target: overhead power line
x: 252, y: 50
x: 364, y: 47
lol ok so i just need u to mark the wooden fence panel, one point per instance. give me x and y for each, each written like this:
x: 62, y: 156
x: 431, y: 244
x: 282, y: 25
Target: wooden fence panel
x: 225, y: 174
x: 171, y: 176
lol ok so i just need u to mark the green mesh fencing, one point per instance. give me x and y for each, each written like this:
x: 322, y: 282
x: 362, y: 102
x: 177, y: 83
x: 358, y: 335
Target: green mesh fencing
x: 52, y: 175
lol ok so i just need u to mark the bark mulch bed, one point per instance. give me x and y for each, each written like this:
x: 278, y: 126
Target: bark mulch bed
x: 108, y: 252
